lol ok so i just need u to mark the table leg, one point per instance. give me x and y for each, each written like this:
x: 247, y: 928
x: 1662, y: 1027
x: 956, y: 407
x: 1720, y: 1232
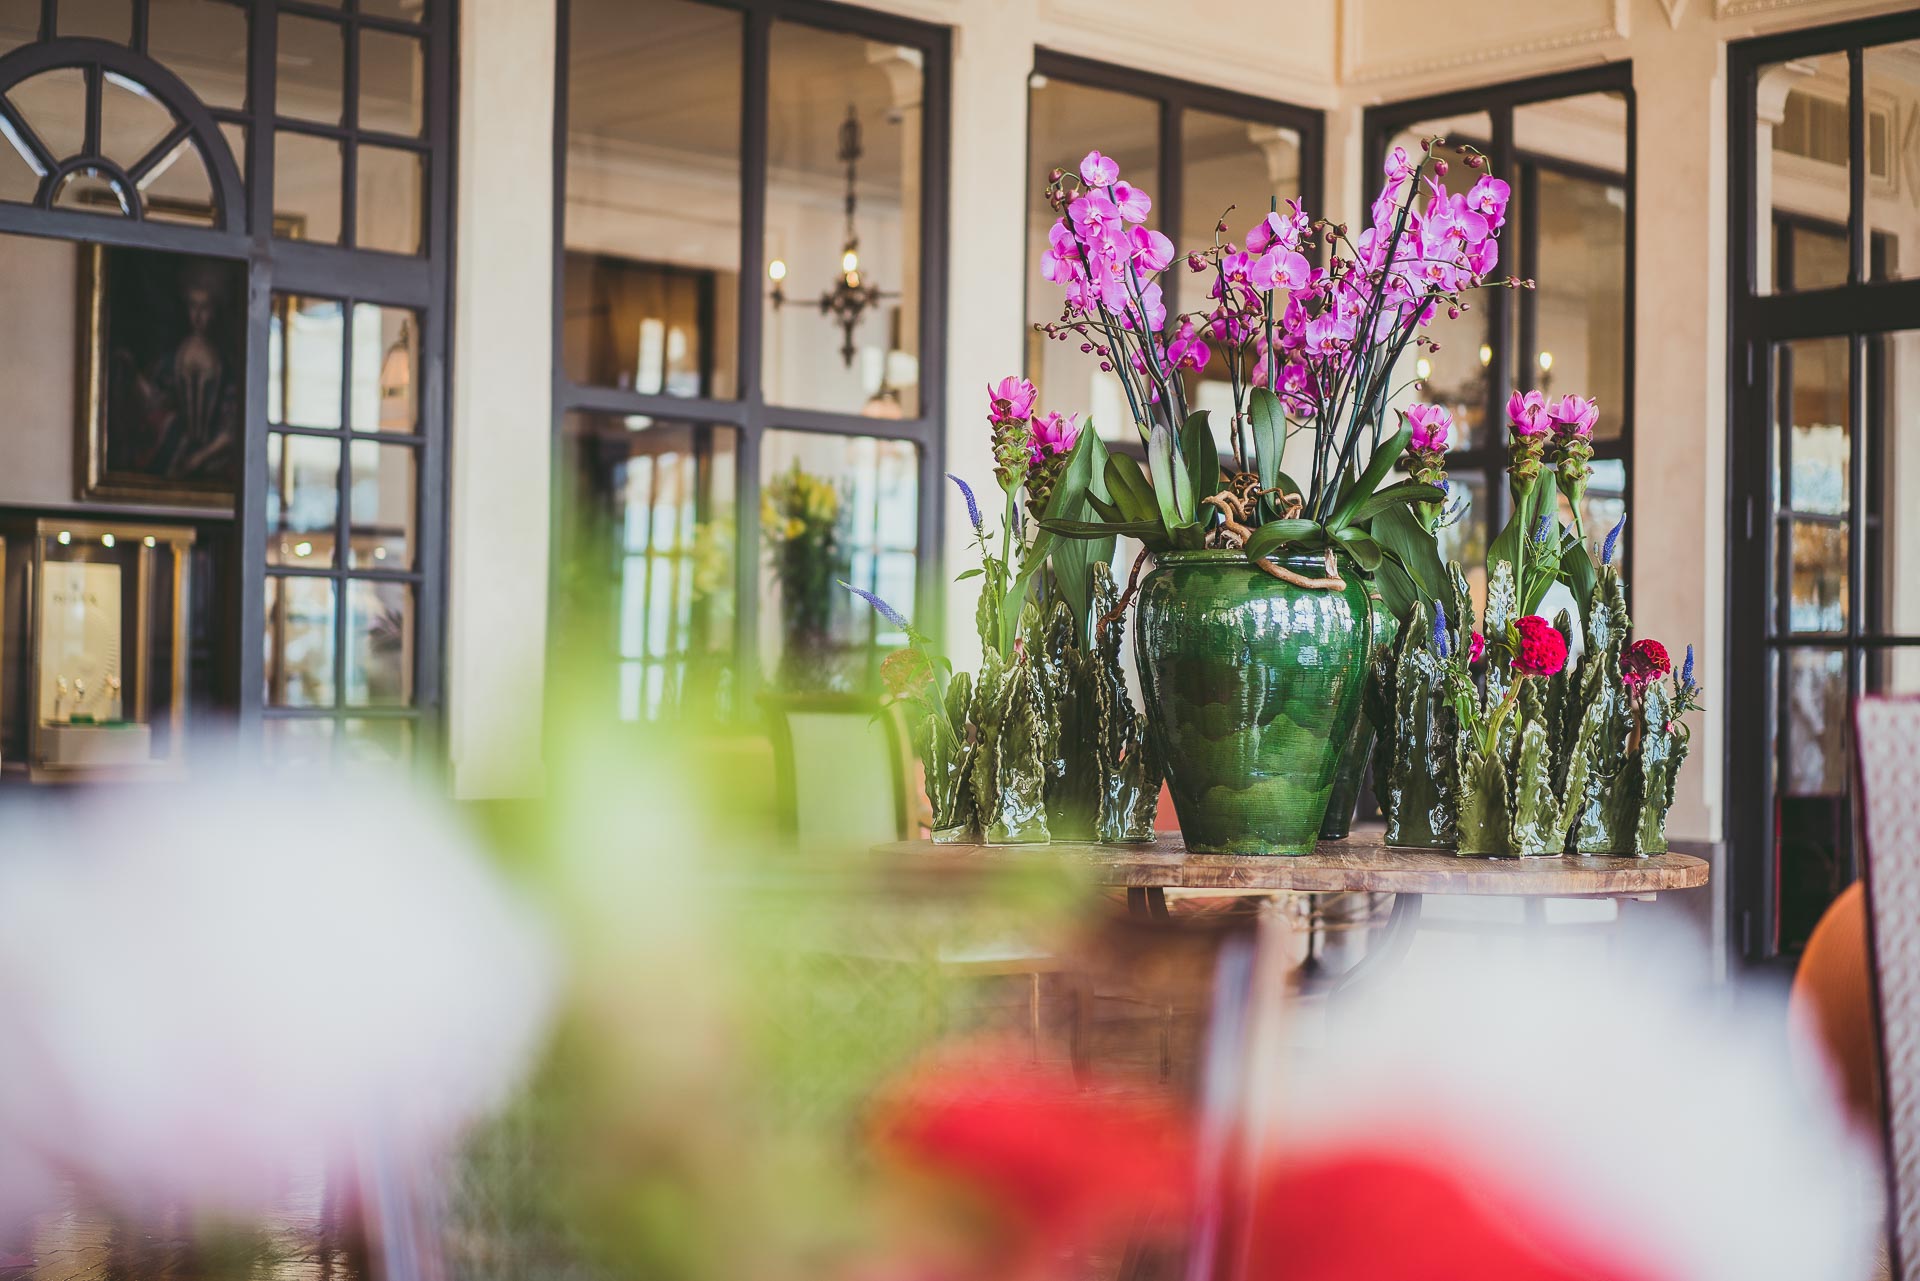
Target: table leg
x: 1390, y: 949
x: 1148, y: 904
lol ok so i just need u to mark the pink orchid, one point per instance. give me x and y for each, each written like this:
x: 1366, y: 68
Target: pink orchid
x: 1573, y: 416
x: 1132, y: 202
x: 1489, y: 197
x: 1054, y: 434
x: 1277, y: 228
x: 1098, y: 171
x: 1153, y: 305
x: 1152, y: 251
x: 1280, y: 267
x: 1094, y: 216
x: 1010, y: 399
x: 1430, y: 424
x: 1527, y: 414
x: 1188, y: 350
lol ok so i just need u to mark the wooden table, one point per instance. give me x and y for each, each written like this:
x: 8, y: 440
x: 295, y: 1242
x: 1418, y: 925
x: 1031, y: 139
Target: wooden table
x: 1363, y: 861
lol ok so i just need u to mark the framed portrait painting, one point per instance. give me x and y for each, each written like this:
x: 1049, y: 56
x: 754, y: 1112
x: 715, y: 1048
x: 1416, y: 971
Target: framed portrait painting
x: 164, y: 365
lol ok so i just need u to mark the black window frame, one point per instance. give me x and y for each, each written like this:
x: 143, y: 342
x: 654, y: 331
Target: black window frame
x: 1510, y: 331
x: 1172, y: 96
x: 1857, y: 311
x: 749, y: 413
x: 420, y: 283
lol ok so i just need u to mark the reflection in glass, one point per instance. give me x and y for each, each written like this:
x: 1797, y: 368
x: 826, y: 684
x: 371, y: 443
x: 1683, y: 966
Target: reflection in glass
x: 392, y: 82
x: 1890, y: 529
x: 204, y: 42
x: 380, y: 505
x: 299, y: 642
x: 1579, y: 304
x: 819, y: 84
x: 375, y: 744
x: 832, y: 508
x: 91, y: 190
x: 653, y: 196
x: 388, y: 193
x: 379, y: 644
x: 1815, y: 818
x: 303, y: 500
x: 650, y: 561
x: 1817, y: 593
x: 1816, y: 722
x: 306, y: 353
x: 1801, y: 110
x: 310, y: 70
x: 386, y: 348
x: 1064, y: 122
x: 1465, y: 541
x: 306, y: 187
x: 1815, y: 393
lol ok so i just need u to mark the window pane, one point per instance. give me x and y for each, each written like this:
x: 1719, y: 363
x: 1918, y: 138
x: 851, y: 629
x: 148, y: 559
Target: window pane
x: 1892, y: 82
x: 386, y: 349
x: 98, y: 19
x: 1891, y: 527
x: 1065, y: 121
x: 1815, y: 823
x: 300, y: 744
x: 1817, y: 575
x: 649, y: 561
x: 306, y: 187
x: 380, y: 505
x: 1457, y: 375
x: 833, y: 508
x: 1465, y: 540
x: 54, y: 105
x: 91, y: 190
x: 303, y: 500
x: 379, y: 644
x: 833, y: 96
x: 405, y: 10
x: 388, y: 195
x: 392, y: 83
x: 306, y: 353
x: 178, y: 189
x: 653, y: 196
x: 132, y: 120
x: 204, y: 42
x: 311, y: 70
x: 376, y: 744
x: 1802, y: 164
x: 1816, y: 455
x: 19, y: 179
x: 19, y: 23
x: 299, y: 642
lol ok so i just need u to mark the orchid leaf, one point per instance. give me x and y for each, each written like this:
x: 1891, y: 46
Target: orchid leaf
x: 1377, y: 469
x: 1106, y: 510
x: 1160, y: 467
x: 1275, y: 534
x: 1202, y: 455
x: 1365, y: 552
x: 1397, y: 592
x: 1578, y: 564
x: 1405, y: 492
x: 1401, y: 535
x: 1072, y: 500
x: 1269, y: 425
x: 1091, y: 529
x: 1128, y: 488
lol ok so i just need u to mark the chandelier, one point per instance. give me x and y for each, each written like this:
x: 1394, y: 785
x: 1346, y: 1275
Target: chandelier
x: 852, y: 294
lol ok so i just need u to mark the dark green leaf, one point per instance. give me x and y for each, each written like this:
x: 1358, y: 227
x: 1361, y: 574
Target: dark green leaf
x: 1203, y: 462
x: 1377, y: 468
x: 1363, y: 549
x: 1129, y: 490
x: 1406, y: 492
x: 1578, y: 564
x: 1106, y: 510
x: 1397, y: 592
x: 1275, y: 534
x: 1269, y: 425
x: 1101, y: 529
x: 1401, y: 535
x: 971, y: 573
x: 1160, y: 464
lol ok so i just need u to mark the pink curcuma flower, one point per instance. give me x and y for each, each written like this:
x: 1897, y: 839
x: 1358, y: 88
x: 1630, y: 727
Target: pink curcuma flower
x: 1098, y: 171
x: 1573, y: 416
x: 1010, y: 399
x: 1054, y: 434
x: 1430, y: 424
x: 1527, y: 414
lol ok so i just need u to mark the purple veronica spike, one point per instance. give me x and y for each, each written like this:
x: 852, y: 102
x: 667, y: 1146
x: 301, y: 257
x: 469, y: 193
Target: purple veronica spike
x: 1612, y: 541
x: 973, y: 506
x: 1686, y: 670
x: 1540, y: 530
x: 1441, y: 641
x: 887, y: 611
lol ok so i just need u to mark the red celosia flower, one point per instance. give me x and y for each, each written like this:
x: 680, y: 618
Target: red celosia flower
x: 1645, y: 660
x: 1542, y: 651
x: 1476, y: 648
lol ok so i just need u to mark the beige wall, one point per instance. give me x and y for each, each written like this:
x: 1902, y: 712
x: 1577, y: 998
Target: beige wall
x: 1339, y: 56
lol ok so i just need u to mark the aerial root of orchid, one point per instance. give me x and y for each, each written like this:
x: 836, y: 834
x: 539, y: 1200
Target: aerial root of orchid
x: 1331, y: 583
x: 1119, y: 610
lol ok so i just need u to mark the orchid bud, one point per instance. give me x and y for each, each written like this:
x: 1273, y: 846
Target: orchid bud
x: 1440, y: 168
x: 1221, y: 225
x: 1086, y: 348
x: 1105, y: 367
x: 1194, y: 263
x: 1426, y: 144
x: 1453, y: 313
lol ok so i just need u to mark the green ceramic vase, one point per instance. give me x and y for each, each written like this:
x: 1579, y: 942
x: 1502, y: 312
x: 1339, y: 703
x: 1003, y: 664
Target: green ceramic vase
x: 1251, y: 687
x: 1359, y: 752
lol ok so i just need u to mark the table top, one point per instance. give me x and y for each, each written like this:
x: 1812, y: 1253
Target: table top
x: 1363, y: 861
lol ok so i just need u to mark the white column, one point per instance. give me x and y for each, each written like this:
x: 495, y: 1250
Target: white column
x: 1677, y: 518
x: 502, y: 399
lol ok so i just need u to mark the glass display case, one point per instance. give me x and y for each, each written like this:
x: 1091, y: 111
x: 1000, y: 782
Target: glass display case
x: 108, y: 650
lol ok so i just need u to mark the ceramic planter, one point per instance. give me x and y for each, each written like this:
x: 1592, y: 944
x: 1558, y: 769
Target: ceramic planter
x: 1353, y: 762
x: 1252, y: 687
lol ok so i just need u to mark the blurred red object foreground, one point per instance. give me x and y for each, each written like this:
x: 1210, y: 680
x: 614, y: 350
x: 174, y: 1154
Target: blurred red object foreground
x: 1065, y: 1171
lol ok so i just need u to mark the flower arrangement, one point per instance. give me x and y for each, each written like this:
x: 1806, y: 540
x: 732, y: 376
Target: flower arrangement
x: 1532, y: 736
x: 1308, y: 351
x: 1042, y: 743
x: 800, y: 519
